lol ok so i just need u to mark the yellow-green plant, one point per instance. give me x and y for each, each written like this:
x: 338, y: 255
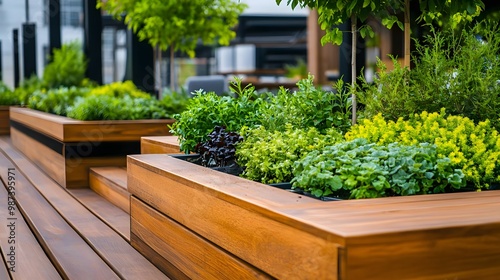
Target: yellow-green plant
x: 475, y: 149
x: 268, y: 156
x: 120, y: 89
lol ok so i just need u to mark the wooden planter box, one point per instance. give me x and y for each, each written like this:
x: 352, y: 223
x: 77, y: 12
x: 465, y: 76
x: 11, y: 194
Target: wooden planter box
x: 198, y: 223
x: 160, y: 145
x: 4, y: 120
x: 65, y: 148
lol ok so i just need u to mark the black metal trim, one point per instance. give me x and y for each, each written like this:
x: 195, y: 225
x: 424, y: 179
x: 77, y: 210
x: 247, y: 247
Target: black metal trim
x: 84, y: 149
x: 55, y: 145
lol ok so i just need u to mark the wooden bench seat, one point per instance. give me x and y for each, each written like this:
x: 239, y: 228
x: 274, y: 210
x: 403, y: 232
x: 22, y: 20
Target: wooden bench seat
x: 78, y: 244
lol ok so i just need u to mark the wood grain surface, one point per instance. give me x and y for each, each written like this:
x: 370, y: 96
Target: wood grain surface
x: 233, y: 223
x: 193, y: 255
x: 30, y: 261
x: 441, y: 236
x: 107, y: 244
x: 114, y: 217
x: 111, y: 183
x: 61, y: 243
x: 4, y: 120
x: 69, y: 130
x: 160, y: 145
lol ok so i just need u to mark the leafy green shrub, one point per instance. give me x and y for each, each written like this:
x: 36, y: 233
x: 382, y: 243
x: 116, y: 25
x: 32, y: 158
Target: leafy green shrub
x: 67, y: 68
x: 388, y: 94
x: 55, y: 101
x: 456, y: 71
x: 120, y: 89
x: 106, y: 107
x: 309, y: 106
x: 475, y: 149
x: 207, y: 110
x: 175, y: 102
x: 268, y: 156
x: 7, y: 96
x: 368, y: 170
x: 28, y: 87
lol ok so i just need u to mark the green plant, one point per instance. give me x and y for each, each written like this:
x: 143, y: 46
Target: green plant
x: 178, y: 25
x: 368, y: 170
x: 174, y: 102
x: 106, y: 107
x: 7, y: 96
x: 67, y: 68
x: 475, y: 149
x: 27, y: 87
x: 120, y: 89
x: 454, y: 70
x: 309, y: 106
x: 207, y: 110
x: 268, y: 156
x: 389, y: 94
x: 55, y: 101
x: 298, y: 70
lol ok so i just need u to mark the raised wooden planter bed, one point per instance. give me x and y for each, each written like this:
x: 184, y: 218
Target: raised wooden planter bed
x: 65, y: 148
x: 4, y: 120
x: 160, y: 145
x: 200, y: 223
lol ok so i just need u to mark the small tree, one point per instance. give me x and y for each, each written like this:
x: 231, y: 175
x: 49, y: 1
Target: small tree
x: 178, y: 25
x: 333, y: 13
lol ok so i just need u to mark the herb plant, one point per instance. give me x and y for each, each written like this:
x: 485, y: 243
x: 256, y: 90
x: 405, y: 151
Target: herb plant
x: 67, y: 68
x: 120, y: 89
x: 453, y: 70
x: 368, y: 170
x: 475, y: 149
x: 7, y: 96
x: 268, y: 156
x: 106, y: 107
x: 55, y: 101
x: 207, y: 110
x: 220, y: 148
x: 309, y: 106
x: 27, y: 87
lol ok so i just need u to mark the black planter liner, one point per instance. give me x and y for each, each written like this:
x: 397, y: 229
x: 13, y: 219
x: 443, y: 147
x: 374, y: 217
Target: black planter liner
x: 195, y: 158
x: 288, y: 187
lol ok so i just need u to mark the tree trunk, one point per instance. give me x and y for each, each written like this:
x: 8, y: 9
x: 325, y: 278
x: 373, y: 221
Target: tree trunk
x: 353, y: 66
x: 407, y: 35
x: 172, y: 69
x: 160, y: 81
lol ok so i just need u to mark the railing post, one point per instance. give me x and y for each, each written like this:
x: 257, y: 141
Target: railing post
x: 15, y: 37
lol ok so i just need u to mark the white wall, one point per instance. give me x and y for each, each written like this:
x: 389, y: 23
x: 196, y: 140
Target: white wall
x: 265, y: 7
x: 12, y: 15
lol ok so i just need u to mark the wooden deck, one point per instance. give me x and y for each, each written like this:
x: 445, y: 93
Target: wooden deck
x: 52, y: 235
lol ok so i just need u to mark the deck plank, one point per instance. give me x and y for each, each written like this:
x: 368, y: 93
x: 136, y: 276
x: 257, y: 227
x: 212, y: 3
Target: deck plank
x: 4, y: 274
x: 113, y: 216
x: 111, y: 183
x: 119, y: 254
x: 30, y: 261
x: 68, y: 251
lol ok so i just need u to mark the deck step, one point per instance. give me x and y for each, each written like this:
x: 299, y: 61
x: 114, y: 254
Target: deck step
x: 114, y: 217
x: 79, y: 244
x: 111, y: 183
x: 160, y: 145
